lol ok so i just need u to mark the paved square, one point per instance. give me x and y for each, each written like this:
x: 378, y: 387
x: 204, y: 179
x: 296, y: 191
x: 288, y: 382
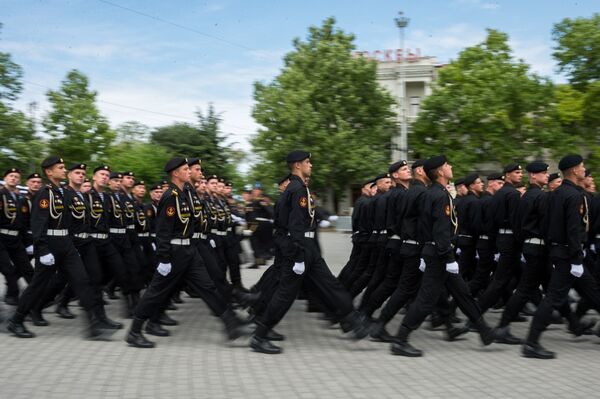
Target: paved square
x: 318, y: 362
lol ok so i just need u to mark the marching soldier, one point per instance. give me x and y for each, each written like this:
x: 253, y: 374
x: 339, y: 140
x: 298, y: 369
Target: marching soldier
x: 554, y: 181
x: 466, y: 210
x: 147, y: 257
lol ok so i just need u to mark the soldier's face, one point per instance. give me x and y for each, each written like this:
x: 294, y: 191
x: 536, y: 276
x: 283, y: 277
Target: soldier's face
x: 540, y: 178
x: 182, y: 173
x: 404, y: 173
x: 34, y: 184
x: 554, y: 184
x: 114, y: 184
x: 12, y: 180
x: 227, y: 190
x: 196, y: 172
x: 85, y: 187
x: 156, y: 194
x: 77, y: 176
x: 57, y: 172
x: 495, y: 185
x: 127, y: 181
x: 477, y: 186
x: 447, y: 171
x: 579, y: 172
x: 101, y: 178
x: 220, y: 188
x: 139, y: 191
x: 515, y: 176
x: 212, y: 186
x: 306, y: 167
x: 383, y: 185
x: 461, y: 189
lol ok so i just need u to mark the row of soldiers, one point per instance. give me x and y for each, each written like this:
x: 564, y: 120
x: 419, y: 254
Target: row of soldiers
x: 85, y: 234
x: 503, y: 243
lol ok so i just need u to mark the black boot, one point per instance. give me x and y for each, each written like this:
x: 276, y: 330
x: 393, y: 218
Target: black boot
x: 165, y: 320
x: 63, y: 312
x: 486, y: 333
x: 503, y: 336
x: 273, y: 335
x: 436, y: 321
x: 452, y: 332
x: 97, y: 329
x: 177, y: 297
x: 15, y: 325
x: 357, y: 323
x: 263, y: 345
x: 37, y: 319
x: 246, y: 299
x: 234, y: 328
x: 532, y: 347
x: 580, y: 327
x: 378, y: 332
x: 108, y: 322
x: 127, y: 306
x: 153, y: 328
x: 401, y: 347
x: 135, y: 336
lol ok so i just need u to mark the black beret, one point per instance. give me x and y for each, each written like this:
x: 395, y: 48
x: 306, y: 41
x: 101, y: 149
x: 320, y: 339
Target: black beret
x: 229, y: 184
x: 163, y: 182
x: 434, y: 162
x: 175, y: 163
x: 396, y: 165
x: 139, y: 183
x: 74, y: 166
x: 368, y: 182
x: 221, y: 180
x: 194, y: 161
x: 536, y: 167
x: 129, y: 173
x: 12, y: 170
x: 569, y: 161
x: 157, y: 186
x: 51, y: 161
x: 417, y: 163
x: 212, y: 177
x: 116, y: 175
x: 283, y: 179
x: 86, y: 180
x: 511, y: 167
x: 495, y: 176
x: 297, y: 156
x: 459, y: 182
x: 519, y: 185
x: 34, y: 176
x: 470, y: 178
x: 553, y: 176
x: 381, y: 176
x: 588, y: 173
x: 102, y: 167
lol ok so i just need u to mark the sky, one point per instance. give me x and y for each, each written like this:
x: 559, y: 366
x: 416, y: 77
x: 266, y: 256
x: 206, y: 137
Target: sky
x: 157, y: 62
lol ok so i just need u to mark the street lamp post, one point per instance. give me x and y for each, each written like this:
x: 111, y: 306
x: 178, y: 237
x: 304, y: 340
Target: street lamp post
x: 401, y: 23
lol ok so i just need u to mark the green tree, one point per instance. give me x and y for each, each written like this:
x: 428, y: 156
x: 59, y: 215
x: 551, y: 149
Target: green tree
x: 78, y: 131
x: 327, y: 102
x: 578, y: 49
x: 487, y: 106
x: 145, y: 159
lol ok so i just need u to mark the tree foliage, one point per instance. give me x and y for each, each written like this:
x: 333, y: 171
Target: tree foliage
x: 329, y: 103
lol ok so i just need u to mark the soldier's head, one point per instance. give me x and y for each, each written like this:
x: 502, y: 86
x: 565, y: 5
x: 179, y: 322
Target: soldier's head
x: 537, y: 172
x: 114, y: 183
x: 283, y: 183
x: 156, y: 191
x: 128, y: 180
x: 474, y: 183
x: 572, y: 168
x: 221, y: 186
x: 139, y: 189
x: 228, y: 189
x: 54, y: 169
x: 438, y: 169
x: 12, y: 178
x: 299, y: 163
x: 383, y: 182
x: 366, y: 188
x: 588, y: 183
x: 195, y: 165
x: 419, y: 172
x: 76, y: 174
x: 495, y: 182
x: 554, y: 181
x: 460, y: 187
x: 34, y: 182
x: 400, y: 172
x: 101, y: 176
x: 86, y: 186
x: 513, y: 173
x: 212, y: 184
x: 178, y: 170
x: 201, y: 186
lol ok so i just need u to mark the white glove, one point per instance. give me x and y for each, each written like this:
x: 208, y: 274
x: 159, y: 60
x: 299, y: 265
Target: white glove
x: 333, y: 218
x: 584, y: 253
x: 47, y: 260
x: 577, y: 270
x: 164, y: 268
x: 324, y: 224
x: 593, y: 248
x: 458, y: 251
x: 477, y: 255
x: 153, y: 246
x: 238, y: 219
x: 212, y: 243
x: 298, y: 267
x: 523, y: 258
x: 247, y: 233
x: 496, y: 257
x: 29, y: 250
x: 452, y: 267
x: 422, y: 265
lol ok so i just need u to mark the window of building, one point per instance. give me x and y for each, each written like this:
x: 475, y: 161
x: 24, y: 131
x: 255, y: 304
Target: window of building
x: 415, y: 105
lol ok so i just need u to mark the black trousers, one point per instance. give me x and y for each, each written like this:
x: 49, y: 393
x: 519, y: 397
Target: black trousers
x: 406, y: 289
x: 216, y: 273
x: 112, y: 264
x: 388, y: 284
x: 528, y: 289
x: 67, y: 261
x: 379, y: 274
x: 561, y: 283
x: 467, y: 261
x: 365, y: 271
x: 508, y: 269
x: 322, y: 280
x: 186, y: 267
x: 485, y: 267
x: 149, y: 256
x: 14, y: 263
x: 132, y: 267
x: 350, y: 265
x: 435, y: 278
x: 232, y: 251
